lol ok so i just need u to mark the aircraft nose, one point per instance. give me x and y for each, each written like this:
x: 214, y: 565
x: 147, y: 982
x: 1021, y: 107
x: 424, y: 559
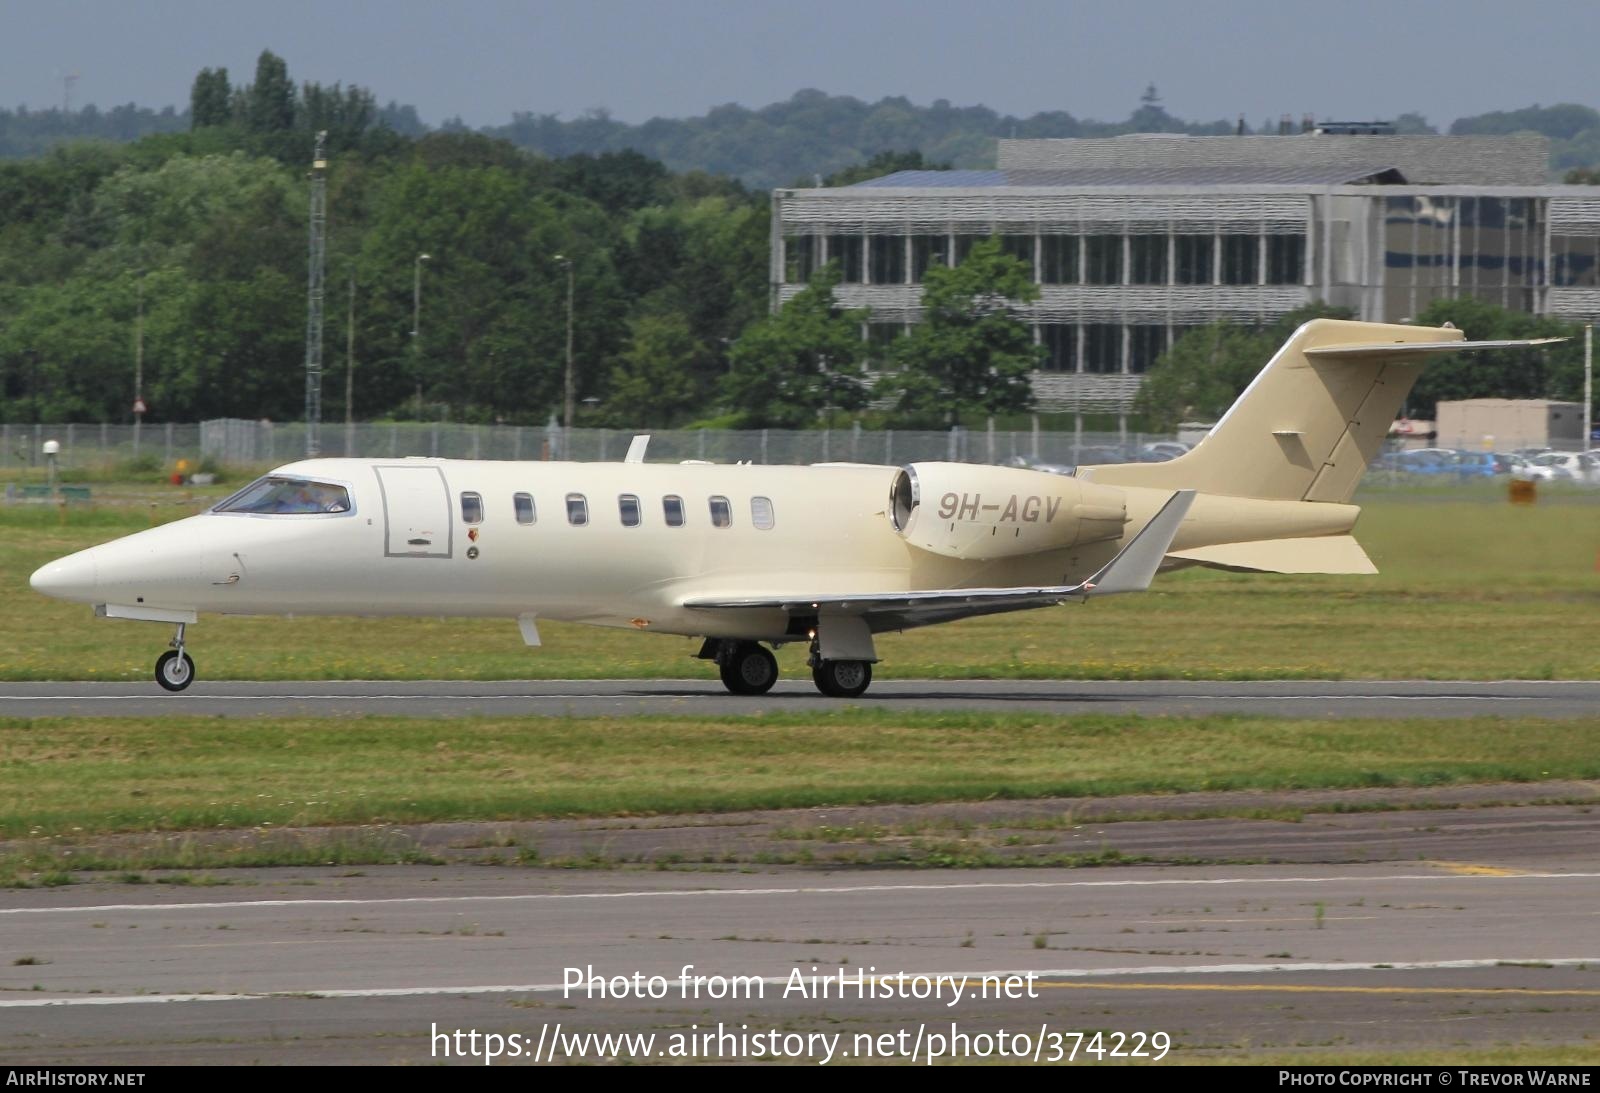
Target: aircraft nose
x: 71, y: 578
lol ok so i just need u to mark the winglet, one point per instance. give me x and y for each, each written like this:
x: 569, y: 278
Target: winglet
x: 1135, y: 565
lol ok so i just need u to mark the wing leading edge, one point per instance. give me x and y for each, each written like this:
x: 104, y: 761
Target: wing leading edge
x: 1130, y: 571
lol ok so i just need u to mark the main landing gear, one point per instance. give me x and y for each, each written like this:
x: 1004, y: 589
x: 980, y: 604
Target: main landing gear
x: 174, y: 668
x: 748, y: 668
x: 841, y: 678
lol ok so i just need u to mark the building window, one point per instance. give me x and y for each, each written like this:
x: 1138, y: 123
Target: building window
x: 761, y: 513
x: 1058, y: 259
x: 1019, y: 247
x: 1060, y: 341
x: 1145, y: 344
x: 846, y: 250
x: 1575, y: 261
x: 1103, y: 259
x: 928, y: 250
x: 628, y: 509
x: 523, y: 504
x: 1147, y: 259
x: 577, y: 510
x: 964, y: 245
x: 672, y: 511
x: 1241, y: 260
x: 1102, y: 348
x: 887, y: 254
x: 1194, y: 259
x: 472, y: 508
x: 1286, y: 259
x: 721, y: 513
x: 799, y: 259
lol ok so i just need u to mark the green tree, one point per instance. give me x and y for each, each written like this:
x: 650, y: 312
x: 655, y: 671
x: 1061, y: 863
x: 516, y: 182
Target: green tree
x: 209, y: 99
x: 1206, y: 369
x: 790, y: 367
x: 269, y: 102
x: 973, y: 351
x: 654, y: 380
x: 1552, y: 372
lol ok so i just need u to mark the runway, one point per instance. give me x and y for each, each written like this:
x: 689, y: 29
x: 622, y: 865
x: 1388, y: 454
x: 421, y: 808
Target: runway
x: 701, y: 697
x: 320, y: 966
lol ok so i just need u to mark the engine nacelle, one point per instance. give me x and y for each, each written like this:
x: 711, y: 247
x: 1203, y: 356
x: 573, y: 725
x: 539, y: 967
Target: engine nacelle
x: 981, y: 513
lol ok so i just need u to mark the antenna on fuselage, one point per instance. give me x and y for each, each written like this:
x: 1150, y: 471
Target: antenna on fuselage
x: 636, y: 449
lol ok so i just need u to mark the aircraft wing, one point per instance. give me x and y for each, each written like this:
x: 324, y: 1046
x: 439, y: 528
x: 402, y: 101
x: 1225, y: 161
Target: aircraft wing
x: 1130, y: 571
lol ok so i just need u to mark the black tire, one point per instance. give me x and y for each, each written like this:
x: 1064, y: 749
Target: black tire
x: 174, y: 670
x: 751, y: 670
x: 842, y: 678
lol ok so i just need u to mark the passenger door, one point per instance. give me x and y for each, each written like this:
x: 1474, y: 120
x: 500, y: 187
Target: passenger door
x: 416, y: 512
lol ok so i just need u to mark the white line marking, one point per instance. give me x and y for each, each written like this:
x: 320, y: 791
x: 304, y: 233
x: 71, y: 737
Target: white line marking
x: 780, y: 980
x: 548, y: 897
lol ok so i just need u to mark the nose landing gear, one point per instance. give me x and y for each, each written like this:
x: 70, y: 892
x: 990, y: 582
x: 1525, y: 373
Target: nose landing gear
x: 174, y: 668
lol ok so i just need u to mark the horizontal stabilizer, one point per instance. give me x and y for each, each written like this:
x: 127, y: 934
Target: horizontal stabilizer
x: 1323, y: 554
x: 1408, y: 350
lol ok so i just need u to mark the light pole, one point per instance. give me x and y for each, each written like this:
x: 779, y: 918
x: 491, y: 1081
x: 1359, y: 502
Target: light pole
x: 566, y: 421
x: 416, y: 324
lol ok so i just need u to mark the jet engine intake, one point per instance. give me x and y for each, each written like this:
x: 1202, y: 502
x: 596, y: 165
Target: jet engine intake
x: 981, y: 513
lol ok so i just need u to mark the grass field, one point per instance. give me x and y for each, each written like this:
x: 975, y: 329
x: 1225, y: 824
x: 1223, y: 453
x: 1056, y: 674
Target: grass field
x: 1470, y: 588
x: 81, y: 777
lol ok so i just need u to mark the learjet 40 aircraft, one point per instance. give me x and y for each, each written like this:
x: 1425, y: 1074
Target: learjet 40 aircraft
x: 749, y: 557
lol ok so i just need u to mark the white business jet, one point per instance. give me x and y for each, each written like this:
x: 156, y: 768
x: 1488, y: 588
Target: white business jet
x: 749, y: 557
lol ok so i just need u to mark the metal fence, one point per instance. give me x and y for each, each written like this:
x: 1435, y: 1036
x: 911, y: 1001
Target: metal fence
x: 234, y: 443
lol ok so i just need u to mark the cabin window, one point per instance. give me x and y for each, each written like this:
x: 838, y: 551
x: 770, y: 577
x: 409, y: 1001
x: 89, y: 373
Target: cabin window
x: 628, y: 507
x: 523, y: 503
x: 577, y: 509
x: 761, y: 512
x: 672, y: 510
x: 472, y: 508
x: 275, y: 495
x: 721, y: 513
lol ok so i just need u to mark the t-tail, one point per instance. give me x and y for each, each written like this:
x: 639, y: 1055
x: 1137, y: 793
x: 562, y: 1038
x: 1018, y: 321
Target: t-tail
x: 1309, y: 424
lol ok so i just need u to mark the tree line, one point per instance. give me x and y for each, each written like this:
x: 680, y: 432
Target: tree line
x: 189, y: 249
x: 781, y: 144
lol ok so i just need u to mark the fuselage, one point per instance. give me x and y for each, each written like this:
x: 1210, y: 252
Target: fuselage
x: 615, y: 544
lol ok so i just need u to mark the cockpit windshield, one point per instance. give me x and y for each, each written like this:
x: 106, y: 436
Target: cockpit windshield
x: 275, y: 494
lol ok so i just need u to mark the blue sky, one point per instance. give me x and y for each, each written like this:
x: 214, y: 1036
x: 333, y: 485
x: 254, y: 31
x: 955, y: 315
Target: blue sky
x: 485, y: 59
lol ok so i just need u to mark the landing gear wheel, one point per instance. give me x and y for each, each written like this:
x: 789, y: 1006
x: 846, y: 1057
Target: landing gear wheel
x: 174, y: 670
x: 749, y: 670
x: 842, y: 678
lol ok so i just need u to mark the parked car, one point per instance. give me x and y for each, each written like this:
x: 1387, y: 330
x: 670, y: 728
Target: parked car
x: 1161, y: 450
x: 1475, y: 465
x: 1564, y: 466
x: 1098, y: 454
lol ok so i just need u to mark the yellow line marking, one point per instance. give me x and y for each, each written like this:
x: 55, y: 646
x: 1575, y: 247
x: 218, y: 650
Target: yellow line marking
x: 1297, y: 988
x: 1471, y: 869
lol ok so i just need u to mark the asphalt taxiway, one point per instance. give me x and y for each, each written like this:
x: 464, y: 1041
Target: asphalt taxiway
x: 325, y: 966
x: 1466, y: 920
x: 435, y: 698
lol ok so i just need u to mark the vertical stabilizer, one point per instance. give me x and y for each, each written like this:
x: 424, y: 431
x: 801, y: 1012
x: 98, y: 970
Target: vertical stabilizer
x: 1313, y: 419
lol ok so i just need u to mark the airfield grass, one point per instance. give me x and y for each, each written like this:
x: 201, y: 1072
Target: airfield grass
x: 74, y: 778
x: 1470, y: 587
